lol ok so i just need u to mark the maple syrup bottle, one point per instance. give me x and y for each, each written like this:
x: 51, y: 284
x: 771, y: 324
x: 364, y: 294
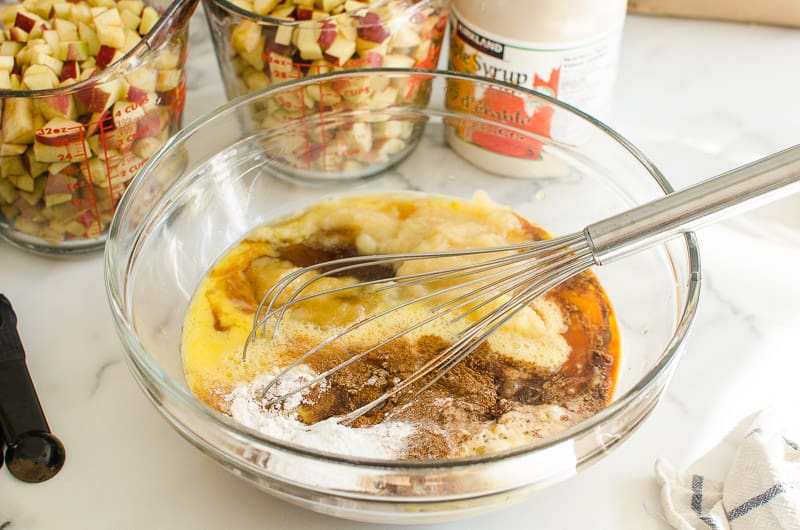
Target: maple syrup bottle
x: 564, y: 49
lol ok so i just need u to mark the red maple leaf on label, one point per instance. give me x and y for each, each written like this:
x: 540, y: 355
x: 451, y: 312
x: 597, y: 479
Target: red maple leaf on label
x: 551, y: 84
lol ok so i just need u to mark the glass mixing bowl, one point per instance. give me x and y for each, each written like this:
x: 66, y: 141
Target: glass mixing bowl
x: 222, y: 176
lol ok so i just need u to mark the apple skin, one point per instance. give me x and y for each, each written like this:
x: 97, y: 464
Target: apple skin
x: 105, y: 56
x: 24, y: 22
x: 327, y: 34
x: 18, y: 34
x: 138, y: 95
x: 70, y: 70
x: 371, y: 28
x: 58, y: 106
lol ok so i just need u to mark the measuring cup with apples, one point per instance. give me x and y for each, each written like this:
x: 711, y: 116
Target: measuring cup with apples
x: 90, y: 89
x: 265, y: 43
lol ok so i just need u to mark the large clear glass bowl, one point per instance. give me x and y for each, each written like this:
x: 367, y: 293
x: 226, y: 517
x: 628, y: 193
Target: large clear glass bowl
x: 223, y: 175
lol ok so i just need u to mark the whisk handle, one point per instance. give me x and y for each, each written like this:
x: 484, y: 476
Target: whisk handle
x: 711, y: 200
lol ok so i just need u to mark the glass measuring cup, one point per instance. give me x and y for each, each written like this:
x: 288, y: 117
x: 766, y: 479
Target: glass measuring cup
x: 266, y: 44
x: 67, y: 154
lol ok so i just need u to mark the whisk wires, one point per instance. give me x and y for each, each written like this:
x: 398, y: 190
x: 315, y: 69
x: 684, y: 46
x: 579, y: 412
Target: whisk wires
x: 512, y: 281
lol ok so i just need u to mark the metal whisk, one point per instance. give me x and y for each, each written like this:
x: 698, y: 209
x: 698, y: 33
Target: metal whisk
x: 524, y: 272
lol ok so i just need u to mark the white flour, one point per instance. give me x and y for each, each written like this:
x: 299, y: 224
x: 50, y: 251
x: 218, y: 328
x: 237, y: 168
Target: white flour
x: 386, y: 440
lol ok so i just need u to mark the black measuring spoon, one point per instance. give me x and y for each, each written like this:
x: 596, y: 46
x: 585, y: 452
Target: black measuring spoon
x: 33, y: 453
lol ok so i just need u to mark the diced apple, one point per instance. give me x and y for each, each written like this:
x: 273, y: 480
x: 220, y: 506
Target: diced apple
x: 130, y: 20
x: 41, y: 8
x: 51, y: 62
x: 330, y: 5
x: 263, y: 7
x: 131, y: 40
x: 153, y: 123
x: 307, y: 36
x: 12, y: 149
x: 10, y: 48
x: 26, y: 22
x: 62, y: 10
x: 33, y: 196
x: 5, y: 80
x: 108, y: 16
x: 12, y: 166
x: 18, y: 121
x: 58, y: 106
x: 59, y: 189
x: 285, y: 10
x: 80, y: 12
x: 142, y: 78
x: 67, y: 30
x: 405, y: 37
x: 70, y: 70
x: 6, y: 63
x: 98, y: 172
x: 149, y: 18
x: 341, y: 49
x: 354, y: 5
x: 88, y: 35
x: 247, y: 37
x: 168, y: 80
x: 35, y: 168
x: 126, y: 112
x: 372, y: 29
x: 283, y: 35
x: 18, y: 34
x: 73, y: 50
x: 61, y: 141
x: 39, y: 77
x: 106, y: 94
x: 327, y: 34
x: 113, y: 36
x: 167, y: 59
x: 22, y: 182
x: 106, y: 55
x: 303, y: 13
x: 131, y: 6
x: 398, y: 61
x: 8, y: 192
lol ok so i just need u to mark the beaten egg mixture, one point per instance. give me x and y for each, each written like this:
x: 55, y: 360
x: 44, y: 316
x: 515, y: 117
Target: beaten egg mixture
x: 551, y: 366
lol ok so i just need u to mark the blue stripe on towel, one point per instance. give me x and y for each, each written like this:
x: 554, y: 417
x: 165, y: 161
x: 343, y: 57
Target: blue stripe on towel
x: 697, y: 494
x: 757, y: 501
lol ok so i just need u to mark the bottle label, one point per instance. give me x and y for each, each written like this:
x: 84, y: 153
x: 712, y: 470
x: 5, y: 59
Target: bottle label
x: 581, y: 74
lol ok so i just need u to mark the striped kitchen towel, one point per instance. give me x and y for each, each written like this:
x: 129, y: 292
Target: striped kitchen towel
x: 760, y: 492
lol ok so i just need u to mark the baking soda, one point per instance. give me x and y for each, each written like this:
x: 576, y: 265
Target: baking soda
x: 387, y: 440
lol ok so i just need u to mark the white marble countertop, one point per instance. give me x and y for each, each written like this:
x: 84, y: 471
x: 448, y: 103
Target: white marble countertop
x: 697, y: 97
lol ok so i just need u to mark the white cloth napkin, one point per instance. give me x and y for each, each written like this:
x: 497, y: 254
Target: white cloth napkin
x: 760, y: 492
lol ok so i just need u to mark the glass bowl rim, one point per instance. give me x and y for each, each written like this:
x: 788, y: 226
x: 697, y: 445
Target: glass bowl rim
x: 141, y: 360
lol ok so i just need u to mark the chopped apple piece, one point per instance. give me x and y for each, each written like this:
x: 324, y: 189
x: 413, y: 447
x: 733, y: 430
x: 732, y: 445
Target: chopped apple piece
x: 73, y: 50
x: 12, y: 149
x: 61, y: 140
x: 59, y: 106
x: 263, y: 7
x: 59, y: 189
x: 67, y: 30
x: 149, y: 18
x: 18, y: 121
